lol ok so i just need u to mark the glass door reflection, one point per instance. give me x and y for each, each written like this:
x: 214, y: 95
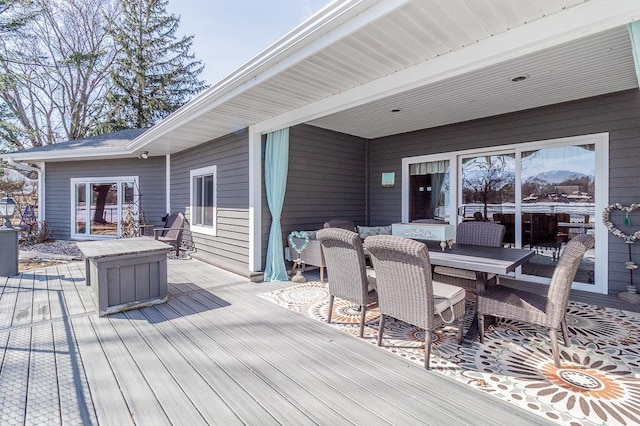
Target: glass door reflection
x: 558, y: 203
x: 488, y: 190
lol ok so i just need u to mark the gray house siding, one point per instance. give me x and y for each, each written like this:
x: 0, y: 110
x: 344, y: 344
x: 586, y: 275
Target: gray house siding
x: 229, y: 249
x: 58, y: 177
x: 326, y: 180
x: 618, y: 114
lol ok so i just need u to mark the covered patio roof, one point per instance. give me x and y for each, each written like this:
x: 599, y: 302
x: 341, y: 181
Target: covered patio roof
x: 354, y: 63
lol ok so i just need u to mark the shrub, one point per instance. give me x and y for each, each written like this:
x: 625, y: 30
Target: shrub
x: 37, y: 233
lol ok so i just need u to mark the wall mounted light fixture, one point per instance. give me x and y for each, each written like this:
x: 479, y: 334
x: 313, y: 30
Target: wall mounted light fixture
x: 143, y: 155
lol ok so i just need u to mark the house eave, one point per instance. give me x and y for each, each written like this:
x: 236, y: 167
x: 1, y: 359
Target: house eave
x: 299, y: 44
x: 311, y: 76
x: 245, y: 98
x: 75, y: 155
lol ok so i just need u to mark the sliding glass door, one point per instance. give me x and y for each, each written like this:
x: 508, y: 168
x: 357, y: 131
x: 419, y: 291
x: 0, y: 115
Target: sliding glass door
x: 544, y: 193
x: 558, y: 203
x: 100, y: 204
x: 488, y: 186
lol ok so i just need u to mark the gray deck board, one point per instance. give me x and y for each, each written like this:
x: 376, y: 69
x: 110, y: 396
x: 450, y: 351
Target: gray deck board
x: 72, y: 387
x: 105, y: 393
x: 75, y: 301
x: 157, y: 374
x: 160, y: 336
x: 43, y: 403
x: 213, y: 365
x: 245, y: 374
x: 284, y: 365
x: 143, y: 403
x: 15, y: 374
x: 8, y: 302
x: 75, y: 274
x: 76, y: 406
x: 226, y: 379
x: 262, y: 362
x: 24, y: 304
x: 405, y: 386
x: 215, y: 353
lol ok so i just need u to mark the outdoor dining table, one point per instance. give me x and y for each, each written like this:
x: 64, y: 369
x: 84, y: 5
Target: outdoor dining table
x: 481, y: 260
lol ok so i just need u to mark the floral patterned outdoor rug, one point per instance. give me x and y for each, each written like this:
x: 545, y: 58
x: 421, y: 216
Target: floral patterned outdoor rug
x: 598, y: 384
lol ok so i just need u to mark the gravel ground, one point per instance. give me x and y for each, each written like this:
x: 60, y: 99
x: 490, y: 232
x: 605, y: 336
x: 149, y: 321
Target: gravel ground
x: 62, y: 247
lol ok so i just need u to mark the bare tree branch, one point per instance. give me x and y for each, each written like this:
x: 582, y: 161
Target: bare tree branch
x: 55, y: 72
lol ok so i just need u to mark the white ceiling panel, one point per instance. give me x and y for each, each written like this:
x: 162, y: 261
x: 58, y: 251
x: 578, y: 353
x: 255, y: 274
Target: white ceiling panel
x: 593, y: 66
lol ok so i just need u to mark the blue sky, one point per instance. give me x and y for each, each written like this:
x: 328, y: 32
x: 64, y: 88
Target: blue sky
x: 228, y: 33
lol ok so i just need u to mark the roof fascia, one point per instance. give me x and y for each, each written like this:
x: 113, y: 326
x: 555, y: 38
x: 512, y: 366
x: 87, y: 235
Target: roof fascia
x: 571, y: 24
x: 336, y: 21
x: 63, y: 155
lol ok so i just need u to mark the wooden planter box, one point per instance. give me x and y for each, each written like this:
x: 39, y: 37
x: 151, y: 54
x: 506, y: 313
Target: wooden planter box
x: 126, y: 273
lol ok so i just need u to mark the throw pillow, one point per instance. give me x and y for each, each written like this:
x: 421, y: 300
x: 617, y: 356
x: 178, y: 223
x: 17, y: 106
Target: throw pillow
x: 367, y: 231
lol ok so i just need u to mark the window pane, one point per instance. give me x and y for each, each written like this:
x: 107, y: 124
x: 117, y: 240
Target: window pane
x: 104, y: 209
x: 208, y: 200
x: 429, y: 190
x: 80, y: 209
x: 129, y: 226
x: 558, y: 190
x: 488, y: 190
x: 198, y: 200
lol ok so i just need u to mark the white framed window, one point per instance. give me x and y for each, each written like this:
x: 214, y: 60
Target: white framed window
x: 203, y: 211
x: 544, y: 192
x: 99, y: 204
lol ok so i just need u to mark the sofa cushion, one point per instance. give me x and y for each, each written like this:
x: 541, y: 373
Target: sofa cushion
x: 367, y: 231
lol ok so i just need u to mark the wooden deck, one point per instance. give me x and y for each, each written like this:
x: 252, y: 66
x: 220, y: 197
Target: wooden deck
x: 214, y: 354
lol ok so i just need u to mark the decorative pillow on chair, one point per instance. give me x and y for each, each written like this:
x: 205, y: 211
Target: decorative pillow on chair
x: 367, y: 231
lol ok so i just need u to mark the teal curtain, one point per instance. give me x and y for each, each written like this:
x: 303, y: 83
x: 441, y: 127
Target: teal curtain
x: 634, y: 33
x: 276, y: 166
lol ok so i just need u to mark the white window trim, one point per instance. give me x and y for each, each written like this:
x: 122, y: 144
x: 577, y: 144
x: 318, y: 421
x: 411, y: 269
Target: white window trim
x: 91, y: 180
x: 209, y: 170
x: 601, y: 142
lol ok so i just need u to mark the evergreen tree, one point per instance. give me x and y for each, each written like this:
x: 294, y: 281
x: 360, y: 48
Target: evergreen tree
x: 155, y: 72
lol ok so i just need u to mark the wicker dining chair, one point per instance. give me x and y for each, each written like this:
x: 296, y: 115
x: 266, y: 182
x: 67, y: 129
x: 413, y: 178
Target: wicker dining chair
x: 543, y: 310
x: 346, y: 270
x: 340, y: 223
x: 406, y: 291
x: 487, y: 234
